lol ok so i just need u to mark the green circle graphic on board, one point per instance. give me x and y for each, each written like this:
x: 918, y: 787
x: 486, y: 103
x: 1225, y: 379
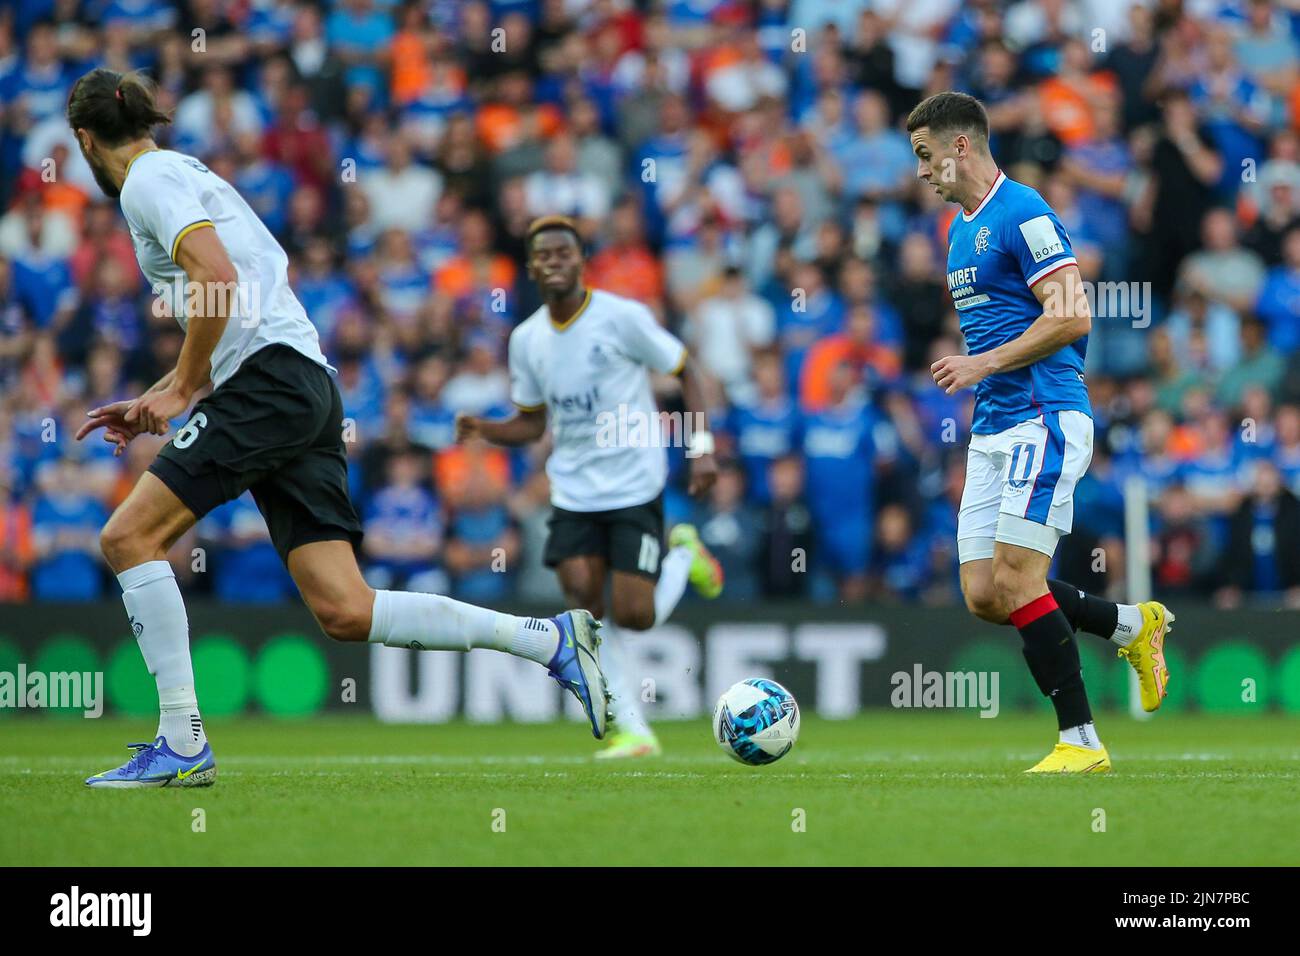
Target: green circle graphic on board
x: 291, y: 676
x: 131, y: 688
x: 68, y: 661
x: 1288, y: 678
x: 222, y: 675
x: 1233, y: 678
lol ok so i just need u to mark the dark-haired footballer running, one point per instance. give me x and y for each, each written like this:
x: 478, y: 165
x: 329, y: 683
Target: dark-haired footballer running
x: 272, y: 424
x: 584, y: 358
x: 1016, y: 285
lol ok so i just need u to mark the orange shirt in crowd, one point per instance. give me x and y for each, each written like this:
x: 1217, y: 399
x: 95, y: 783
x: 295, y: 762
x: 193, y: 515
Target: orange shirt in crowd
x: 1185, y: 443
x: 411, y: 72
x: 500, y: 125
x: 822, y: 358
x: 633, y: 273
x: 455, y: 467
x: 461, y: 276
x: 1066, y: 110
x: 16, y: 533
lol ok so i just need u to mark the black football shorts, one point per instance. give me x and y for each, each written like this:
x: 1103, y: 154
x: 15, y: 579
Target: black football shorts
x: 629, y: 539
x: 275, y: 427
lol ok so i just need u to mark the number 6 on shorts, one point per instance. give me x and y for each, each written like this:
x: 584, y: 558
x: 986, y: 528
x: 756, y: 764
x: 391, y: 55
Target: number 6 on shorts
x: 185, y: 437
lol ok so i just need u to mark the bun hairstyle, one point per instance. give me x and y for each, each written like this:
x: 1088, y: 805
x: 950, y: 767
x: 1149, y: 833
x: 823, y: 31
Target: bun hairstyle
x: 115, y: 107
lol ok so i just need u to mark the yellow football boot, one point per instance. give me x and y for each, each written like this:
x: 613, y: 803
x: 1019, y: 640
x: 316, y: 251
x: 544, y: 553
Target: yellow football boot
x: 1067, y: 758
x: 706, y: 573
x: 622, y: 746
x: 1147, y: 653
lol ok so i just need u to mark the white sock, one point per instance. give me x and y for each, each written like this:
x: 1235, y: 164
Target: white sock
x: 623, y: 685
x: 674, y: 571
x: 1129, y: 624
x: 1084, y: 735
x: 433, y: 622
x: 157, y: 615
x: 179, y: 722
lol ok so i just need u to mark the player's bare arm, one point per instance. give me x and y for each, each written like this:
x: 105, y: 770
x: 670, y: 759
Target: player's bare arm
x: 205, y: 261
x: 1066, y: 318
x: 704, y: 469
x: 207, y: 266
x: 521, y: 428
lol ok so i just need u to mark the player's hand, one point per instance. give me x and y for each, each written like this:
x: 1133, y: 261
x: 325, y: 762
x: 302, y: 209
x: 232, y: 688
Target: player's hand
x: 153, y: 411
x: 467, y: 427
x: 956, y: 372
x: 111, y: 418
x: 704, y: 472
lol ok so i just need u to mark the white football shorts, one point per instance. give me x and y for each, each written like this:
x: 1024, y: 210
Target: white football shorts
x: 1020, y: 484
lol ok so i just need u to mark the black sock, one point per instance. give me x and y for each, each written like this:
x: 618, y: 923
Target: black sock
x: 1053, y: 659
x: 1085, y: 612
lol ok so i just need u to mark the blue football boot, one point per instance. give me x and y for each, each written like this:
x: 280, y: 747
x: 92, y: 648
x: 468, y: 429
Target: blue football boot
x: 157, y: 765
x: 576, y: 667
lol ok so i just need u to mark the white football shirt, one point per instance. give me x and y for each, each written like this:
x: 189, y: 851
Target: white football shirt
x: 167, y: 195
x: 592, y: 376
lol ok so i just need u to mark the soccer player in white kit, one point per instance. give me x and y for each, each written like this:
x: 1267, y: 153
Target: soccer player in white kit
x: 272, y: 425
x: 585, y: 358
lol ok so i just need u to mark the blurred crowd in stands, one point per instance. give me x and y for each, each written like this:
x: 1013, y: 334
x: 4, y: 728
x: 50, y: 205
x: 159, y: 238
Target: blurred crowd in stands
x: 740, y: 167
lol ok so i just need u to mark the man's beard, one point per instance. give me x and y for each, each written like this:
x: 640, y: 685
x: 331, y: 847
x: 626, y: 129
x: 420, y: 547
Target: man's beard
x: 102, y: 178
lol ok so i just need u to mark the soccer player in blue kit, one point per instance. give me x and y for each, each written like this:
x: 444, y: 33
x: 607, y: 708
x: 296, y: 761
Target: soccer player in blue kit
x: 1017, y: 289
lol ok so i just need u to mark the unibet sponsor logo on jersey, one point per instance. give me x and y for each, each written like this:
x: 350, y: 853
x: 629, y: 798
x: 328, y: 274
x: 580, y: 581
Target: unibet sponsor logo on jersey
x: 961, y: 283
x: 583, y: 401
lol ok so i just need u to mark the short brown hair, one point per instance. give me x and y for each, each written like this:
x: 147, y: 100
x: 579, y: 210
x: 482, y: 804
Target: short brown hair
x: 543, y: 223
x: 951, y: 112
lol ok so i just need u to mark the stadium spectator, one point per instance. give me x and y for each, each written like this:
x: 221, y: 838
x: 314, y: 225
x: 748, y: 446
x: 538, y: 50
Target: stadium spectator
x: 1182, y: 552
x: 1223, y: 270
x: 788, y: 544
x: 725, y: 331
x: 482, y: 548
x: 625, y: 265
x: 244, y: 564
x: 404, y: 530
x: 1260, y: 365
x: 727, y: 526
x: 1278, y: 304
x: 65, y: 526
x: 1262, y: 557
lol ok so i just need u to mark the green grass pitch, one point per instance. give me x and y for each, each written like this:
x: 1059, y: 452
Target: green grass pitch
x: 887, y: 788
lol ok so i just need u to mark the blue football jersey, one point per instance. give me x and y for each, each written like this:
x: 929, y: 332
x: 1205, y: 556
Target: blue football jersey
x: 995, y: 256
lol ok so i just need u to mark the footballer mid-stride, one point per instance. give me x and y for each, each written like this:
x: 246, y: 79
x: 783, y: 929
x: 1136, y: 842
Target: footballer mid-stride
x: 1017, y: 289
x: 272, y: 425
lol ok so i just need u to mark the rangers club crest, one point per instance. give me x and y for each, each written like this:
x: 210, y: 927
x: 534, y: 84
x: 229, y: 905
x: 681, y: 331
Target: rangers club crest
x: 982, y: 240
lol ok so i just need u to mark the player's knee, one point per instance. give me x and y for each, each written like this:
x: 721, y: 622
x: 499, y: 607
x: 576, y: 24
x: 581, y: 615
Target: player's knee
x: 635, y: 617
x: 984, y: 604
x: 589, y: 599
x: 1013, y: 586
x: 122, y: 546
x: 342, y: 620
